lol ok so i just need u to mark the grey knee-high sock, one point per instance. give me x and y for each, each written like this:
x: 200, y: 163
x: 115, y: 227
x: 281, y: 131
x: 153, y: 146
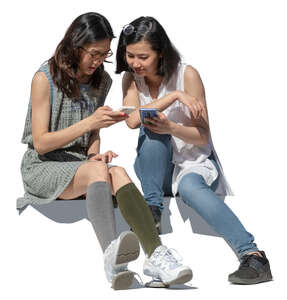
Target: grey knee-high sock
x: 101, y: 212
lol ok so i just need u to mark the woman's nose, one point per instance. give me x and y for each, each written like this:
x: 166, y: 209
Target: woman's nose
x: 136, y: 64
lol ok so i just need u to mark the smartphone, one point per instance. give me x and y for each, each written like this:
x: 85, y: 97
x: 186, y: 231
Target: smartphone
x: 147, y: 113
x: 127, y: 109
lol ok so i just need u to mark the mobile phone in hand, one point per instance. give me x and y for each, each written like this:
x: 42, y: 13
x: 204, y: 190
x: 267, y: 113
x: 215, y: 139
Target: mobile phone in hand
x: 147, y: 113
x: 127, y: 109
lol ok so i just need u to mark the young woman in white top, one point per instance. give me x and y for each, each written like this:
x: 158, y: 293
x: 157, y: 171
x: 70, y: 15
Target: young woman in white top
x: 175, y: 150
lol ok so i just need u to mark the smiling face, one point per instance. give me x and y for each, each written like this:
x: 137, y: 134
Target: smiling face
x: 91, y: 57
x: 142, y: 59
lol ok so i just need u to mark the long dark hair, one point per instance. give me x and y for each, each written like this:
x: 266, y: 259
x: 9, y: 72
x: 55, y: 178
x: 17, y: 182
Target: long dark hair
x: 157, y: 37
x: 85, y: 29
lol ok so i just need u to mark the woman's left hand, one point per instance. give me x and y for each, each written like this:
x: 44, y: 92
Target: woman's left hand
x: 106, y: 157
x: 160, y: 124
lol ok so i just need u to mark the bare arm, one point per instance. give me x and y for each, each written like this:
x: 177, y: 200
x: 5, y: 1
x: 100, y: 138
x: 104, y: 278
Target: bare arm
x: 131, y: 98
x: 198, y: 133
x: 94, y: 142
x: 45, y: 141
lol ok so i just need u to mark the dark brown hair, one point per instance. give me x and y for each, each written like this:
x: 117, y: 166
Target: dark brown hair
x: 85, y: 29
x: 159, y: 41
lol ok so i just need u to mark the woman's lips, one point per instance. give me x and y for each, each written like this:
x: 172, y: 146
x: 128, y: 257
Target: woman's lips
x: 139, y: 70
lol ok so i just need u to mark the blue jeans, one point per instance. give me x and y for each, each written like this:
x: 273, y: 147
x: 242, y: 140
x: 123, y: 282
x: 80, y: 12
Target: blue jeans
x: 154, y: 169
x: 153, y: 166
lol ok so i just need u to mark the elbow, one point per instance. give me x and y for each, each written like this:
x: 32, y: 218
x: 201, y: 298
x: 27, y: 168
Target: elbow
x: 204, y: 139
x: 39, y: 148
x: 132, y: 125
x: 204, y: 142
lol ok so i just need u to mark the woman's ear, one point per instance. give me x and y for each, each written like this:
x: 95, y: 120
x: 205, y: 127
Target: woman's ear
x: 77, y: 53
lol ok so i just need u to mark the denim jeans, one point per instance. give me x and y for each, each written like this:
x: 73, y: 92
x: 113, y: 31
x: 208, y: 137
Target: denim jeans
x: 154, y: 169
x: 153, y: 166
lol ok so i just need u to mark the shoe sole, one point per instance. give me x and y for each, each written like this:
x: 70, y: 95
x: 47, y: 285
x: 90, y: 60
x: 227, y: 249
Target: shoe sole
x: 183, y: 277
x: 129, y: 248
x: 156, y: 284
x: 123, y: 280
x: 260, y: 279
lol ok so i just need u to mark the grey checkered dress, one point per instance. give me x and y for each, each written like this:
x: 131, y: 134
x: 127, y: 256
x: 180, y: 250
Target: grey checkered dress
x: 46, y: 176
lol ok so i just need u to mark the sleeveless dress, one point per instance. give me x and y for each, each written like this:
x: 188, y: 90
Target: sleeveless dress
x: 46, y: 176
x: 187, y: 158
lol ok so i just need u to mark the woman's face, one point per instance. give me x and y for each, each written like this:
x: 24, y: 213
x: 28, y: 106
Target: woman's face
x: 92, y: 56
x: 142, y: 59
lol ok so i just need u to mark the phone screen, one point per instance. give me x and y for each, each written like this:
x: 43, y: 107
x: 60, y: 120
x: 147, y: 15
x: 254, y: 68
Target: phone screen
x: 147, y: 113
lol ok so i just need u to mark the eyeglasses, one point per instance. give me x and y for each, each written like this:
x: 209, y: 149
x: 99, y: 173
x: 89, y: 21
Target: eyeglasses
x: 96, y: 55
x: 142, y: 29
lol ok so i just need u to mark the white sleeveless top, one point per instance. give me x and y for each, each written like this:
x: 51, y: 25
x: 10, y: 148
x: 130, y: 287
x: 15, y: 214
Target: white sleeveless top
x: 187, y: 158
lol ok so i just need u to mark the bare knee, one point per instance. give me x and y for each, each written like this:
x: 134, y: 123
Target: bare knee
x: 118, y: 172
x: 86, y: 174
x: 96, y: 171
x: 119, y: 178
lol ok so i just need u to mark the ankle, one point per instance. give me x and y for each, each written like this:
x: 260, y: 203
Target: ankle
x: 255, y: 253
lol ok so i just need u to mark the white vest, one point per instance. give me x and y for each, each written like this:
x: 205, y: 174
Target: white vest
x: 187, y: 158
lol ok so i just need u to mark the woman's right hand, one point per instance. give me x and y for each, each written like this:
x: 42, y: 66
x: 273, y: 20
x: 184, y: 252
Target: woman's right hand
x: 104, y: 117
x: 194, y: 105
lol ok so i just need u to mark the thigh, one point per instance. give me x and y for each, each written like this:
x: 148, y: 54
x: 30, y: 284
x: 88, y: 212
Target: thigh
x: 154, y: 155
x: 149, y: 140
x: 86, y: 174
x: 196, y: 193
x: 191, y: 183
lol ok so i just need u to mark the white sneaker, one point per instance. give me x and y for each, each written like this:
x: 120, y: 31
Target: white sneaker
x: 164, y: 266
x: 116, y: 258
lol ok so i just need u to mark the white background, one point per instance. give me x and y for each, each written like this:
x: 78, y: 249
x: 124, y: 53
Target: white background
x: 239, y: 48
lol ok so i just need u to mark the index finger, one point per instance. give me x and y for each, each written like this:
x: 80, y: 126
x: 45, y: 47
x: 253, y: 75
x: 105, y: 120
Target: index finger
x: 152, y: 121
x: 105, y: 108
x: 116, y: 114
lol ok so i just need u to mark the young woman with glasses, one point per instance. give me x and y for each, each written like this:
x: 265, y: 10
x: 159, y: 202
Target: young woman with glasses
x: 175, y: 150
x: 63, y: 160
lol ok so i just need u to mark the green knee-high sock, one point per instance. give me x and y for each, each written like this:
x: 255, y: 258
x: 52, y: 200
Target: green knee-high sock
x: 137, y: 214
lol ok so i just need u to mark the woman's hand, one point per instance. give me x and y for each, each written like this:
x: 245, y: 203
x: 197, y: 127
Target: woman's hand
x: 104, y: 117
x: 106, y: 157
x: 194, y: 105
x: 160, y: 124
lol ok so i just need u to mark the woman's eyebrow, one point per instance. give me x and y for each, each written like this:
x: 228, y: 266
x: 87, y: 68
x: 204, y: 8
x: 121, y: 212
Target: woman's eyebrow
x: 138, y: 54
x: 99, y: 50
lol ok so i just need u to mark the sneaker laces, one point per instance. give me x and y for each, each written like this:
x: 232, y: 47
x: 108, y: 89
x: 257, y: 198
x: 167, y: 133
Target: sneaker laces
x: 245, y: 260
x: 167, y: 258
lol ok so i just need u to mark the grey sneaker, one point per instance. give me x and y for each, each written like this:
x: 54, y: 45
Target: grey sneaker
x: 163, y: 266
x: 253, y: 269
x: 116, y: 258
